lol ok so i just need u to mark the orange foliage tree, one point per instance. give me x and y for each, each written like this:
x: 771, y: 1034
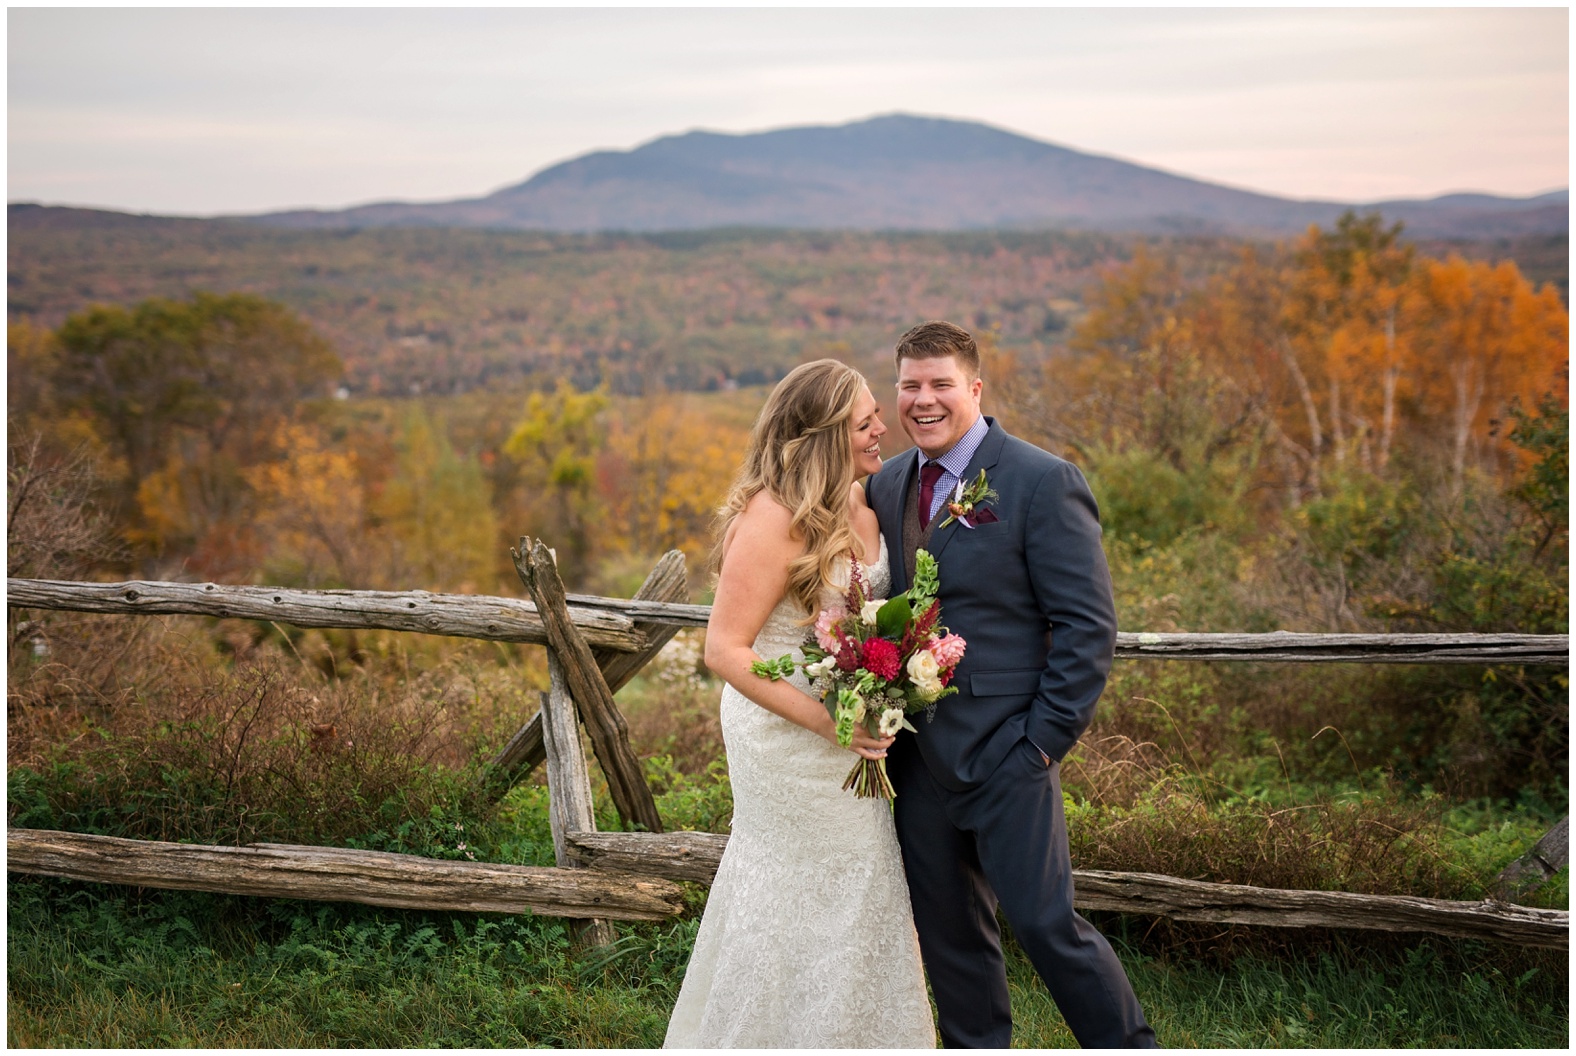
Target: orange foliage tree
x: 667, y: 467
x: 1484, y: 340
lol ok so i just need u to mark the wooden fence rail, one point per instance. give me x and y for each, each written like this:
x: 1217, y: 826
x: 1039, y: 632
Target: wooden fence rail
x: 646, y: 863
x: 456, y: 615
x: 611, y: 623
x: 694, y: 856
x: 597, y: 644
x: 335, y: 874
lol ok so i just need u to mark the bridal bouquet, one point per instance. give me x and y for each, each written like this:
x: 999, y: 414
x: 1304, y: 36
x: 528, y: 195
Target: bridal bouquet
x: 875, y: 662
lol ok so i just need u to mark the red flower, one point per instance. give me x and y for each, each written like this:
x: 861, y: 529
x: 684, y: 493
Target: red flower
x: 847, y: 650
x: 919, y: 630
x: 881, y: 658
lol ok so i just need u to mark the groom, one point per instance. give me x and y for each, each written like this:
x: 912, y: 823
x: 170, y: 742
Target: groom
x: 979, y: 802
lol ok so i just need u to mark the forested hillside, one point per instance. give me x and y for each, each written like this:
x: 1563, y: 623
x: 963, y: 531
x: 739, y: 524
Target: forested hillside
x: 444, y: 311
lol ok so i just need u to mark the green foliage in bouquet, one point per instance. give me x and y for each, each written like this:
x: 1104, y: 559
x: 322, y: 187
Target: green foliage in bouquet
x: 874, y: 662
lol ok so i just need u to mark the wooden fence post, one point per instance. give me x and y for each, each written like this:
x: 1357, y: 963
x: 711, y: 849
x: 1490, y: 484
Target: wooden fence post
x: 667, y: 582
x: 568, y: 789
x: 593, y: 699
x: 1533, y: 869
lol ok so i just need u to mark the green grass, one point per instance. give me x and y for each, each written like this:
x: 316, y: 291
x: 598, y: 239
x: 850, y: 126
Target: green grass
x: 104, y: 966
x: 101, y: 966
x: 107, y: 967
x: 1434, y: 994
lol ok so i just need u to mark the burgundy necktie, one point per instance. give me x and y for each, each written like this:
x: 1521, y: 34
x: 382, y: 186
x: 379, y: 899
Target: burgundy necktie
x: 929, y: 473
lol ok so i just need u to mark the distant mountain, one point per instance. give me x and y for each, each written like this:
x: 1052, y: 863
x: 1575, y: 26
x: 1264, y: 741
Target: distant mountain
x: 907, y: 173
x: 902, y: 172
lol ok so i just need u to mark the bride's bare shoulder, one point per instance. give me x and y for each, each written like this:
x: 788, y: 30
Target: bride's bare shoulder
x: 857, y: 500
x: 763, y: 513
x: 764, y: 528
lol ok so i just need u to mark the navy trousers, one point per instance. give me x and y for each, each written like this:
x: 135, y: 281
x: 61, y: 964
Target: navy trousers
x: 1004, y: 840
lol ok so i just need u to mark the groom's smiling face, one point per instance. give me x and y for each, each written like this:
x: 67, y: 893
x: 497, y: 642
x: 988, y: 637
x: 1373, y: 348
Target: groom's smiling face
x: 937, y: 402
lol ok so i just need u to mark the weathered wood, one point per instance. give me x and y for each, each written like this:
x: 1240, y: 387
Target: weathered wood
x: 456, y: 615
x: 525, y: 752
x: 1287, y: 647
x: 694, y: 856
x: 609, y: 735
x: 668, y: 579
x: 568, y: 778
x: 670, y: 613
x: 334, y: 874
x: 1533, y: 869
x: 675, y: 855
x: 610, y: 623
x: 570, y: 807
x: 1169, y: 896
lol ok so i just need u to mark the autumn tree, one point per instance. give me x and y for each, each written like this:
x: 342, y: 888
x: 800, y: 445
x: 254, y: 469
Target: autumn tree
x: 220, y: 365
x: 312, y: 513
x: 1344, y: 297
x: 188, y: 394
x: 553, y: 449
x: 31, y: 353
x: 666, y: 468
x: 1170, y: 433
x: 1485, y: 340
x: 436, y: 512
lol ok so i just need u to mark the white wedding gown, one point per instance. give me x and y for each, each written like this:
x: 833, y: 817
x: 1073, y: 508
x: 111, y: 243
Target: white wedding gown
x: 807, y: 940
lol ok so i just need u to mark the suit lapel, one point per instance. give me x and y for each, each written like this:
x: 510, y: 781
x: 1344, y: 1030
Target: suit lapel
x: 984, y: 458
x: 889, y: 514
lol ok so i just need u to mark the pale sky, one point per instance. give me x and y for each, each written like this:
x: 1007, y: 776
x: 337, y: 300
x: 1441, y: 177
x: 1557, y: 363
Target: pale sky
x: 201, y: 111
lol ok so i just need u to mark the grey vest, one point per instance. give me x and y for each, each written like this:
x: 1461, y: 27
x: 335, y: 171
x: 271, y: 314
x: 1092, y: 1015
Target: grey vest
x: 914, y: 537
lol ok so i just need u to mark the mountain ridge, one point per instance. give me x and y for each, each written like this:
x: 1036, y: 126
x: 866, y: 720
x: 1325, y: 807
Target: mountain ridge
x: 904, y: 172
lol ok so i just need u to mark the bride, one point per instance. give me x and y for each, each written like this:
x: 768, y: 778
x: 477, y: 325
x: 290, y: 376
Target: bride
x: 807, y: 940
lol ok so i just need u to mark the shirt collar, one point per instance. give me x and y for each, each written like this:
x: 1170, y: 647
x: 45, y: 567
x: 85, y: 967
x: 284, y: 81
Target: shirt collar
x: 957, y: 460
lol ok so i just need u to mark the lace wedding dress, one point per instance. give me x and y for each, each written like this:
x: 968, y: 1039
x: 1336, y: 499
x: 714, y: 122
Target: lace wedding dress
x: 807, y: 940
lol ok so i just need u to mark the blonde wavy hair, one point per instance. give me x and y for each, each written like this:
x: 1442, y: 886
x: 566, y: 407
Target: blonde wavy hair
x: 802, y: 455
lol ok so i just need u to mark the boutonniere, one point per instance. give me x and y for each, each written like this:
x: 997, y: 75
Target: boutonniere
x: 966, y: 500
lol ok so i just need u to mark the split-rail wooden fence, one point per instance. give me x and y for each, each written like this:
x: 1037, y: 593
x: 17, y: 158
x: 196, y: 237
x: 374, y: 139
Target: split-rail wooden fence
x: 595, y: 646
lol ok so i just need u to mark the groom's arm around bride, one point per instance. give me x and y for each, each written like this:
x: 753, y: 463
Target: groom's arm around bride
x: 1023, y: 579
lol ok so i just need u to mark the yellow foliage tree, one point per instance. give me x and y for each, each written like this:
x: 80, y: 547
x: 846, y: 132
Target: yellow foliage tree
x: 667, y: 467
x: 553, y: 494
x: 312, y: 513
x: 437, y: 514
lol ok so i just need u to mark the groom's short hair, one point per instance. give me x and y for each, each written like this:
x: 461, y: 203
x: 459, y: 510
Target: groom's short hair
x: 935, y: 339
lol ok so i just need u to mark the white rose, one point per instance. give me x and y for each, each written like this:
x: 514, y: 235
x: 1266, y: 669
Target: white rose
x: 929, y: 688
x: 868, y: 613
x: 922, y: 667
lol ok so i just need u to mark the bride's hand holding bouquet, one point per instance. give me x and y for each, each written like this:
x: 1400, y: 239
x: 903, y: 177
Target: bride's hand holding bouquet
x: 873, y: 662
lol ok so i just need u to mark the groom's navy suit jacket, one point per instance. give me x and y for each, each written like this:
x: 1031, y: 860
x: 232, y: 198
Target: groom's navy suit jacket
x: 1029, y: 592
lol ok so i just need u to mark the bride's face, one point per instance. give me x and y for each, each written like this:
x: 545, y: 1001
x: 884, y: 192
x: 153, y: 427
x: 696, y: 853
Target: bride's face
x: 866, y: 429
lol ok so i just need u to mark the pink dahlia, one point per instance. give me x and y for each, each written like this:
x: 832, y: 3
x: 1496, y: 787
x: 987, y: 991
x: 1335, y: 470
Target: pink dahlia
x: 823, y: 627
x: 947, y: 650
x: 880, y: 658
